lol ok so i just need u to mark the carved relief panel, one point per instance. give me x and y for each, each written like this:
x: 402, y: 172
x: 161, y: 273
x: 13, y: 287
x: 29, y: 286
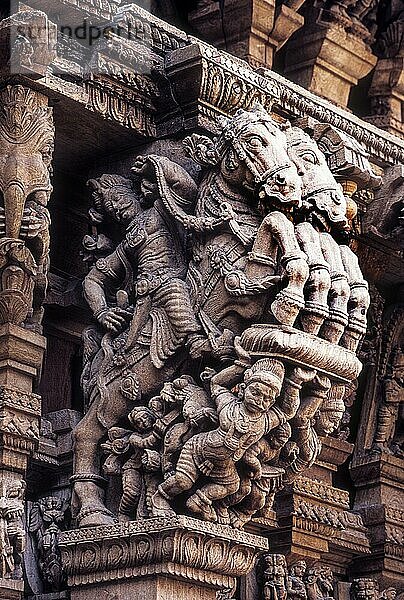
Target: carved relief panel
x: 227, y: 318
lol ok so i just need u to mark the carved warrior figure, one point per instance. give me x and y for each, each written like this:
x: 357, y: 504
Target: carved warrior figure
x: 195, y: 267
x: 45, y: 522
x: 12, y: 533
x: 26, y: 134
x: 390, y: 419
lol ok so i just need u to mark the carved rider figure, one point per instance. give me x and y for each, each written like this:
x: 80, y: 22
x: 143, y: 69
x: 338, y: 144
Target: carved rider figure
x: 153, y: 249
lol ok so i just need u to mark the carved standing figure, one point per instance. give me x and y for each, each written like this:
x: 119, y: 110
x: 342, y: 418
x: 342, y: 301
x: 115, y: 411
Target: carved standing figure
x: 275, y: 577
x: 12, y: 532
x: 295, y: 584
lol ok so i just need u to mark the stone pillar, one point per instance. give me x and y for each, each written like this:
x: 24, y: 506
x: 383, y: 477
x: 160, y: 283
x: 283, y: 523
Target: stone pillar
x: 26, y: 145
x: 387, y: 87
x: 158, y: 559
x: 332, y: 54
x: 252, y: 29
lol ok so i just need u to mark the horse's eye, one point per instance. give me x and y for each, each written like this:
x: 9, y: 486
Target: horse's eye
x: 255, y: 141
x: 310, y: 156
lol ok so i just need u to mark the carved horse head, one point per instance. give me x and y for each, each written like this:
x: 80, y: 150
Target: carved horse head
x: 25, y: 155
x: 251, y: 152
x: 322, y: 196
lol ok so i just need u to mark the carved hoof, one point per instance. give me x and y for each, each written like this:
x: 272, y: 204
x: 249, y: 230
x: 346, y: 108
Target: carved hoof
x: 92, y: 517
x: 223, y: 516
x: 201, y: 509
x: 285, y: 309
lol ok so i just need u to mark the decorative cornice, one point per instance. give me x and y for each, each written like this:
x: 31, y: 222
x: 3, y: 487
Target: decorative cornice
x: 298, y: 102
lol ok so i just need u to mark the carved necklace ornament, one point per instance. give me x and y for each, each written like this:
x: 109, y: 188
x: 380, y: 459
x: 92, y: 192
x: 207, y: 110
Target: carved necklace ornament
x: 242, y: 272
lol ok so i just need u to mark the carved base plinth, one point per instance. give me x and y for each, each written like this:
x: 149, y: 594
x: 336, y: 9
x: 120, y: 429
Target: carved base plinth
x: 11, y: 589
x: 177, y: 557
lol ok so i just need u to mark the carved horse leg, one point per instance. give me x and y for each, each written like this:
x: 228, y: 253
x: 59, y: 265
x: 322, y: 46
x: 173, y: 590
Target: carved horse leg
x: 358, y: 303
x: 319, y: 282
x: 276, y: 231
x: 108, y: 406
x: 334, y: 326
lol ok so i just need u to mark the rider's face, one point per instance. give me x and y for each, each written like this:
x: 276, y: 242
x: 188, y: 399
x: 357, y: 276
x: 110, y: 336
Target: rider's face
x: 258, y: 396
x: 124, y: 207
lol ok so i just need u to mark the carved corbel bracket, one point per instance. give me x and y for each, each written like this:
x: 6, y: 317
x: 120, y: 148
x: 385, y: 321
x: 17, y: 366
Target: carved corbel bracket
x: 26, y: 148
x: 207, y: 84
x: 190, y: 551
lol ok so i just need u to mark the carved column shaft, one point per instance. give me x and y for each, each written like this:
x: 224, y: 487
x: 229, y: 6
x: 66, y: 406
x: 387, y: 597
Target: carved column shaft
x: 26, y: 145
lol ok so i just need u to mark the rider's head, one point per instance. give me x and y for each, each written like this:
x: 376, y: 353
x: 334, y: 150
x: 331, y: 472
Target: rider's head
x: 115, y: 197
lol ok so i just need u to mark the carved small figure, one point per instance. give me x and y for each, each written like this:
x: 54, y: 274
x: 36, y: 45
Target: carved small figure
x: 389, y: 593
x: 45, y: 522
x: 325, y: 582
x: 295, y: 585
x: 12, y: 532
x: 364, y: 588
x: 275, y: 576
x: 129, y: 446
x: 389, y: 410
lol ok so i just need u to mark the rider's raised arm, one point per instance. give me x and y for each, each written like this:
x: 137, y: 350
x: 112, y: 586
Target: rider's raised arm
x: 289, y: 401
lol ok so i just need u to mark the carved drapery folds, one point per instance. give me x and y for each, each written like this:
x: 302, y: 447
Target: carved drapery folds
x: 228, y: 317
x: 26, y: 134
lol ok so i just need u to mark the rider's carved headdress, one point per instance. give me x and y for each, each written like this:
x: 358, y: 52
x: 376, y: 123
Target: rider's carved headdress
x: 268, y: 371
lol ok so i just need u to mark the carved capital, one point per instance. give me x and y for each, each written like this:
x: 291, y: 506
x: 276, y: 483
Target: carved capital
x: 205, y: 554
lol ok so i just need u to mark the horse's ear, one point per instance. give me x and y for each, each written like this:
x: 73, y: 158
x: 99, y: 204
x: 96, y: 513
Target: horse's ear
x: 201, y: 149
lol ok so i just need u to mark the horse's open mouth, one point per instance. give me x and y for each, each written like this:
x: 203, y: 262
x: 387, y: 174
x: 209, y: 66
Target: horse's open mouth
x: 270, y: 200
